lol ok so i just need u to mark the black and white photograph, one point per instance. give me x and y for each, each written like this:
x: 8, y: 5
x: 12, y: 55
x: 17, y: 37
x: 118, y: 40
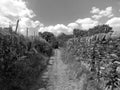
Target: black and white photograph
x: 59, y: 44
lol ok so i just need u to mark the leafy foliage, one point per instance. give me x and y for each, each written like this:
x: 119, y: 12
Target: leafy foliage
x: 50, y: 38
x: 22, y: 62
x: 80, y: 33
x: 63, y: 38
x: 99, y: 29
x: 95, y: 30
x: 93, y: 49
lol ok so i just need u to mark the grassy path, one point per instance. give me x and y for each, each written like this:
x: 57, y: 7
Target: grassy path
x: 58, y: 77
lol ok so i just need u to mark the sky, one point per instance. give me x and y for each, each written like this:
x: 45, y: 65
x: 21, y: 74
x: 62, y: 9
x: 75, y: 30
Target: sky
x: 66, y: 11
x: 59, y: 16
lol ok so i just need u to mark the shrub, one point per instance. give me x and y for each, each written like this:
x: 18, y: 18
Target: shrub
x: 21, y: 68
x: 94, y: 52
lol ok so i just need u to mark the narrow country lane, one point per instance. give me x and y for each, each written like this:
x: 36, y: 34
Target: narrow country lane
x: 58, y: 78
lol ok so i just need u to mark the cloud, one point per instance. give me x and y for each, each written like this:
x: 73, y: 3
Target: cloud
x: 12, y: 10
x: 4, y: 21
x: 84, y: 23
x: 97, y: 17
x: 73, y: 25
x: 15, y: 8
x: 115, y: 24
x: 101, y: 13
x: 87, y: 23
x: 95, y: 10
x: 33, y: 26
x: 28, y: 23
x: 57, y: 29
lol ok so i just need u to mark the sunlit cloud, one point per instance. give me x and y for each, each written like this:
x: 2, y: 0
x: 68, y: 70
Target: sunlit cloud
x: 12, y: 10
x: 15, y: 8
x: 73, y: 25
x: 115, y: 24
x: 108, y: 12
x: 87, y: 23
x: 84, y: 24
x: 57, y: 29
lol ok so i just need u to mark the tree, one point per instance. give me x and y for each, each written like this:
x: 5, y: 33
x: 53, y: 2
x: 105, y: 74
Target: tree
x: 99, y: 29
x: 80, y: 33
x: 63, y: 38
x: 50, y: 38
x: 22, y: 62
x: 93, y: 50
x: 92, y: 31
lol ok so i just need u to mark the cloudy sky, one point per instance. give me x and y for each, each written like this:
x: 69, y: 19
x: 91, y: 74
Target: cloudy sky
x: 59, y: 15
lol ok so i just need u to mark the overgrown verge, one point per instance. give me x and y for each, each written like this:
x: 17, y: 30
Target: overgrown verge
x: 95, y: 55
x: 23, y: 62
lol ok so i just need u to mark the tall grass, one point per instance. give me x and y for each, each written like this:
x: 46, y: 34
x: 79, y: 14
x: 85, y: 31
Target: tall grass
x: 23, y: 62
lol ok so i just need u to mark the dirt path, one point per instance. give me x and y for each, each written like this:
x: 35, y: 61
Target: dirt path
x: 58, y: 77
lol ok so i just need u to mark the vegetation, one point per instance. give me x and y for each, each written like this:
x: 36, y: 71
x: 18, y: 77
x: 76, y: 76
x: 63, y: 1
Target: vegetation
x: 63, y: 38
x: 23, y: 61
x: 95, y: 30
x: 50, y: 38
x: 91, y: 52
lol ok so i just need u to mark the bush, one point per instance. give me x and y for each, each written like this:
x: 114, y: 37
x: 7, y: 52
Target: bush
x: 21, y: 68
x: 50, y: 38
x: 94, y: 52
x: 43, y: 47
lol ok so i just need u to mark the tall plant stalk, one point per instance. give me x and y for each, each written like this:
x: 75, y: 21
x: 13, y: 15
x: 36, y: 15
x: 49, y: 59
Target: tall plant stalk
x: 17, y: 25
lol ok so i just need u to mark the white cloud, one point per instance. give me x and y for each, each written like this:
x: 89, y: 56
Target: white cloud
x: 73, y: 25
x: 4, y: 21
x: 108, y: 12
x: 12, y: 10
x: 115, y: 24
x: 84, y: 23
x: 28, y: 23
x: 95, y: 10
x: 15, y: 8
x: 87, y: 23
x: 97, y: 17
x: 57, y: 29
